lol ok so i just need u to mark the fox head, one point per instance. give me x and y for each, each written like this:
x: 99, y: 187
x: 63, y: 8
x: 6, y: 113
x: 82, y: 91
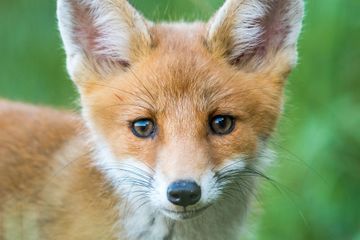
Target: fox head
x: 181, y: 113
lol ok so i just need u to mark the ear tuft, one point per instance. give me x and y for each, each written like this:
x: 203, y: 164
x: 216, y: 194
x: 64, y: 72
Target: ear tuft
x: 101, y: 34
x: 246, y: 32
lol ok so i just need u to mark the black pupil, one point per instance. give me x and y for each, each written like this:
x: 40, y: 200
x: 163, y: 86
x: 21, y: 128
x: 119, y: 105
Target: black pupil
x: 221, y: 122
x: 143, y: 128
x: 222, y: 125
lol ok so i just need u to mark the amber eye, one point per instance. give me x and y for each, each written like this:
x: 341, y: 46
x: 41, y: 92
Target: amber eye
x: 143, y: 128
x: 222, y: 124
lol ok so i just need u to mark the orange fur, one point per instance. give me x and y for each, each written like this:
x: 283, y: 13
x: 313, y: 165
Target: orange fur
x: 44, y: 164
x: 49, y: 175
x: 28, y: 155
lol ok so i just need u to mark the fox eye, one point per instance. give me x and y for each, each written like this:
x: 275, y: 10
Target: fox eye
x: 222, y: 124
x: 143, y: 128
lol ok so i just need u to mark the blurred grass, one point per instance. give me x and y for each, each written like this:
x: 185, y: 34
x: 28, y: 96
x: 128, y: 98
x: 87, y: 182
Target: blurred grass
x: 318, y: 168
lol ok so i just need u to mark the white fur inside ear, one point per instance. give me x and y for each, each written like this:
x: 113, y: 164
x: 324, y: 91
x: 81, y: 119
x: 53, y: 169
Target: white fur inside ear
x: 99, y: 29
x: 245, y: 32
x: 257, y: 25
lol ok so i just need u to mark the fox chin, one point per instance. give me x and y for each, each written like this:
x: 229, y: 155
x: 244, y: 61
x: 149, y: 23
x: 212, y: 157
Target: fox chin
x: 174, y: 125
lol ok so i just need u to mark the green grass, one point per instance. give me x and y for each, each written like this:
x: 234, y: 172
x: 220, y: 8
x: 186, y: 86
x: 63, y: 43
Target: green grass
x: 318, y: 167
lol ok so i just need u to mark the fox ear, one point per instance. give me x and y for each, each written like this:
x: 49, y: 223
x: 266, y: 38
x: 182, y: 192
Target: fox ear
x: 249, y: 32
x: 99, y: 35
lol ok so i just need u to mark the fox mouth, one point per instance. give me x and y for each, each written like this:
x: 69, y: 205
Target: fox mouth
x: 185, y: 214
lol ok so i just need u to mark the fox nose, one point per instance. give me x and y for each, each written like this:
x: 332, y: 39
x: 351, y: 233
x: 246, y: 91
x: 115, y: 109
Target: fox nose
x: 184, y: 193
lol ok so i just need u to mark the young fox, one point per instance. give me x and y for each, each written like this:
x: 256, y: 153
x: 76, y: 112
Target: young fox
x: 174, y: 129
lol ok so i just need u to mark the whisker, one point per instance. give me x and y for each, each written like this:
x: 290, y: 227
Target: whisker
x: 300, y: 160
x: 131, y: 169
x: 132, y: 172
x: 143, y: 85
x: 36, y: 193
x: 152, y: 170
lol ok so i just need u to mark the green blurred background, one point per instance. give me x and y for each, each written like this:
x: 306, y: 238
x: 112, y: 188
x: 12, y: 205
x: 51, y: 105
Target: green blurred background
x: 317, y: 189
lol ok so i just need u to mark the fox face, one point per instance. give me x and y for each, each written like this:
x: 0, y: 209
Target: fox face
x: 180, y: 114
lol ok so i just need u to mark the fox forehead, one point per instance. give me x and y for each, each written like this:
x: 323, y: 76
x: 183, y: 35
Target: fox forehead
x: 180, y: 75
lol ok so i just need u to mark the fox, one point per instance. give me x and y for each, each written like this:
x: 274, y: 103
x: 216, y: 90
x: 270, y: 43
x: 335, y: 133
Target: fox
x: 173, y: 132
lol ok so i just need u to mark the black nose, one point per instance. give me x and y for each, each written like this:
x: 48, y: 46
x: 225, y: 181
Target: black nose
x: 184, y: 193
